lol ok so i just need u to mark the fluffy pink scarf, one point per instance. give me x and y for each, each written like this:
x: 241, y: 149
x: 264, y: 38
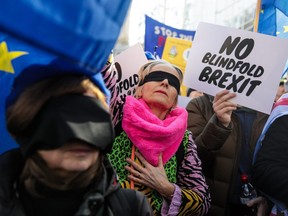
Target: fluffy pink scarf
x: 150, y: 134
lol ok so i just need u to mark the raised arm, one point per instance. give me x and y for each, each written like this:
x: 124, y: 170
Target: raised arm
x: 209, y: 120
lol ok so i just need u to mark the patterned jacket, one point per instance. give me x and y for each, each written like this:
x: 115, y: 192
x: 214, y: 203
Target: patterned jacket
x: 191, y: 196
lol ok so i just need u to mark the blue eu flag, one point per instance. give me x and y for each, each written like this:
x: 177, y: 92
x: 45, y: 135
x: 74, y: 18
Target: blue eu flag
x: 273, y: 19
x: 70, y: 36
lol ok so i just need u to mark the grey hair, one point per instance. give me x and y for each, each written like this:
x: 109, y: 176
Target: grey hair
x: 147, y: 68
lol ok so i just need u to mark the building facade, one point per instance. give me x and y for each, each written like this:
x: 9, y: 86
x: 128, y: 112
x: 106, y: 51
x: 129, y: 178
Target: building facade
x: 185, y: 14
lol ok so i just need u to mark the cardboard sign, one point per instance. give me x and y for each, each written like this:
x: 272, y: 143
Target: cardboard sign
x: 176, y: 51
x: 247, y: 63
x: 157, y: 32
x: 127, y: 64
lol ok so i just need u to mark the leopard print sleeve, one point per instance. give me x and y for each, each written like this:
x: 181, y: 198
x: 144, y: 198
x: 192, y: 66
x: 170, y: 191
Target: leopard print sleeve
x: 195, y: 193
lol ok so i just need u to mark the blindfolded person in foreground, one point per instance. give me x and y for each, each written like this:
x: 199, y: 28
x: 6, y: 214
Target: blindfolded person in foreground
x: 64, y: 131
x: 153, y: 152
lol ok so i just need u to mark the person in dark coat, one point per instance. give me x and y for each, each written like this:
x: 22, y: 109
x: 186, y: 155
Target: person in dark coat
x: 270, y: 160
x: 225, y: 135
x: 64, y: 131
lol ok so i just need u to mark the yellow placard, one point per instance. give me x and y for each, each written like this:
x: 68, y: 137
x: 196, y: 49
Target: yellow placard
x: 176, y: 51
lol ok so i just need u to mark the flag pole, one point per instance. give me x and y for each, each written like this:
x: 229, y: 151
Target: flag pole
x: 257, y: 14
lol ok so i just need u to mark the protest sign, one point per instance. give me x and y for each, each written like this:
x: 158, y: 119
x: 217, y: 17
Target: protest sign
x: 127, y: 65
x: 176, y: 51
x: 247, y: 63
x: 157, y: 32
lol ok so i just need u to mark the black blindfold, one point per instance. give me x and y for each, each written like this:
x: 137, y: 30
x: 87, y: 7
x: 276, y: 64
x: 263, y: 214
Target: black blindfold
x: 71, y: 117
x: 159, y: 76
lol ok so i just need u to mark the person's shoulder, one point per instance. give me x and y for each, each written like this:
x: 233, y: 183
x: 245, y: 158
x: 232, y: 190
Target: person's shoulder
x: 130, y: 201
x: 11, y: 164
x: 201, y: 103
x: 281, y: 121
x: 201, y: 99
x: 11, y: 157
x: 129, y: 194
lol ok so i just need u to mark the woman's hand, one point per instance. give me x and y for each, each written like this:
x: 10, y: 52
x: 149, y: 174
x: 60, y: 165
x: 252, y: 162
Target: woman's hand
x: 223, y: 107
x: 150, y: 176
x: 261, y: 204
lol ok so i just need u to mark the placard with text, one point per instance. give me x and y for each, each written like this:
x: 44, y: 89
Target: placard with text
x: 247, y: 63
x: 127, y: 65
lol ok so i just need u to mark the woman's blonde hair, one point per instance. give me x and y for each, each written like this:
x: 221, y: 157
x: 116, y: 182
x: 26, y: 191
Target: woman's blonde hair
x: 147, y: 68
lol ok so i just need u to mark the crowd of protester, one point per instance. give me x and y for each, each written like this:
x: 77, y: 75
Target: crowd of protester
x: 158, y: 159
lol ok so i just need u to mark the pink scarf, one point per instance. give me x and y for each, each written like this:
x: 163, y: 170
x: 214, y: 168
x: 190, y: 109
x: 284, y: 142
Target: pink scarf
x: 150, y: 134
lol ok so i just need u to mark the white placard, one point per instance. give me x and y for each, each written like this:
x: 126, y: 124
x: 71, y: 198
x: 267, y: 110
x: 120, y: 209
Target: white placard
x: 247, y: 63
x: 127, y: 65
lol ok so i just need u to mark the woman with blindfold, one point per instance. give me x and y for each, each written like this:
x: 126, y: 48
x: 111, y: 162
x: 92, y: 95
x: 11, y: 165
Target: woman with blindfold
x: 64, y: 131
x: 153, y: 152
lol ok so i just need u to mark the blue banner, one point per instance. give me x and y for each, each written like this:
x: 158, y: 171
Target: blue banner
x: 40, y: 38
x: 273, y: 20
x: 157, y: 32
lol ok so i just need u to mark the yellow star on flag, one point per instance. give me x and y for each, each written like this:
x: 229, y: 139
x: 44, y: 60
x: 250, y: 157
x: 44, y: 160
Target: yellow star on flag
x: 285, y: 29
x: 6, y: 57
